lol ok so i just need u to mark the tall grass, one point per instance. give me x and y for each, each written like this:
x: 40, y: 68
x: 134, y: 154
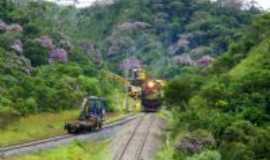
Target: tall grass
x: 74, y: 151
x: 41, y: 126
x: 35, y: 127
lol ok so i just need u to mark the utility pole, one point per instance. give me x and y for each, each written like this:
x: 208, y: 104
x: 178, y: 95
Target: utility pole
x: 126, y: 89
x: 127, y: 68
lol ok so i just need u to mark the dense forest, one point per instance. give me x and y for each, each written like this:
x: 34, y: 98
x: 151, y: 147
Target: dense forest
x: 167, y: 33
x: 222, y: 112
x: 51, y: 55
x: 41, y: 69
x: 214, y: 54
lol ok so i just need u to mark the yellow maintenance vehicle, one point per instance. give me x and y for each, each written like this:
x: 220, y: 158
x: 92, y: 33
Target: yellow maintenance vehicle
x: 91, y: 116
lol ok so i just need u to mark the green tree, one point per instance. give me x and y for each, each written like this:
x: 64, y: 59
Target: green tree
x: 37, y: 54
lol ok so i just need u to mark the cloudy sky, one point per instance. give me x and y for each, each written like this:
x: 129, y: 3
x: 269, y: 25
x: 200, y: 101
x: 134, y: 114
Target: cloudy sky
x: 264, y: 3
x: 79, y: 3
x: 83, y: 3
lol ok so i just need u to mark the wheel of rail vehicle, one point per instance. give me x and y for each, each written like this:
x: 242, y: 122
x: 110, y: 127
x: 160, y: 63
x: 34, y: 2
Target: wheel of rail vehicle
x: 89, y: 129
x: 100, y: 125
x: 72, y: 130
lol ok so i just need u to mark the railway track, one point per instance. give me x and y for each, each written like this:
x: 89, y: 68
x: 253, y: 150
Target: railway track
x: 59, y: 140
x: 135, y: 144
x: 141, y: 148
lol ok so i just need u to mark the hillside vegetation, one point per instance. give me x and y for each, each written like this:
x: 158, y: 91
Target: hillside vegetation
x: 155, y: 33
x: 223, y: 112
x: 51, y: 56
x: 75, y: 150
x: 167, y: 33
x: 41, y: 70
x: 214, y: 53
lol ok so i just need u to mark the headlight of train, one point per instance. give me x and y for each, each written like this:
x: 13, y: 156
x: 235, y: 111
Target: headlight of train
x: 150, y: 84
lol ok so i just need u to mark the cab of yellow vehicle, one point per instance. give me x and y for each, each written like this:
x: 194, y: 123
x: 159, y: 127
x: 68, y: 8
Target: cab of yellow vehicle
x: 138, y: 76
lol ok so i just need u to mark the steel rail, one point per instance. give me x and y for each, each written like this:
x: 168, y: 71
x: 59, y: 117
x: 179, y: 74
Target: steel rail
x: 110, y: 125
x: 139, y: 152
x: 129, y: 139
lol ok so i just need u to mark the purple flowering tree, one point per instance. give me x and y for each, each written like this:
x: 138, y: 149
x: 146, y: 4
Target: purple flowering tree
x: 17, y: 46
x: 133, y: 26
x: 3, y: 26
x: 205, y: 61
x: 130, y: 63
x: 46, y: 42
x: 58, y: 54
x: 184, y: 59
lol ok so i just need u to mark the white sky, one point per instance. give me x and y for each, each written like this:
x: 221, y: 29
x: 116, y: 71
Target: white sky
x: 84, y: 3
x: 264, y: 3
x: 78, y: 3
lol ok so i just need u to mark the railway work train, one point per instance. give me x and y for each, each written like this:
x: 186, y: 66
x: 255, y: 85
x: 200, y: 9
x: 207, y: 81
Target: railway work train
x: 93, y: 108
x: 149, y: 92
x: 151, y: 96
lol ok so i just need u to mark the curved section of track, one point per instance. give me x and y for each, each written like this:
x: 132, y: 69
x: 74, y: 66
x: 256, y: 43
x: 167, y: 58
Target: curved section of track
x: 59, y: 140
